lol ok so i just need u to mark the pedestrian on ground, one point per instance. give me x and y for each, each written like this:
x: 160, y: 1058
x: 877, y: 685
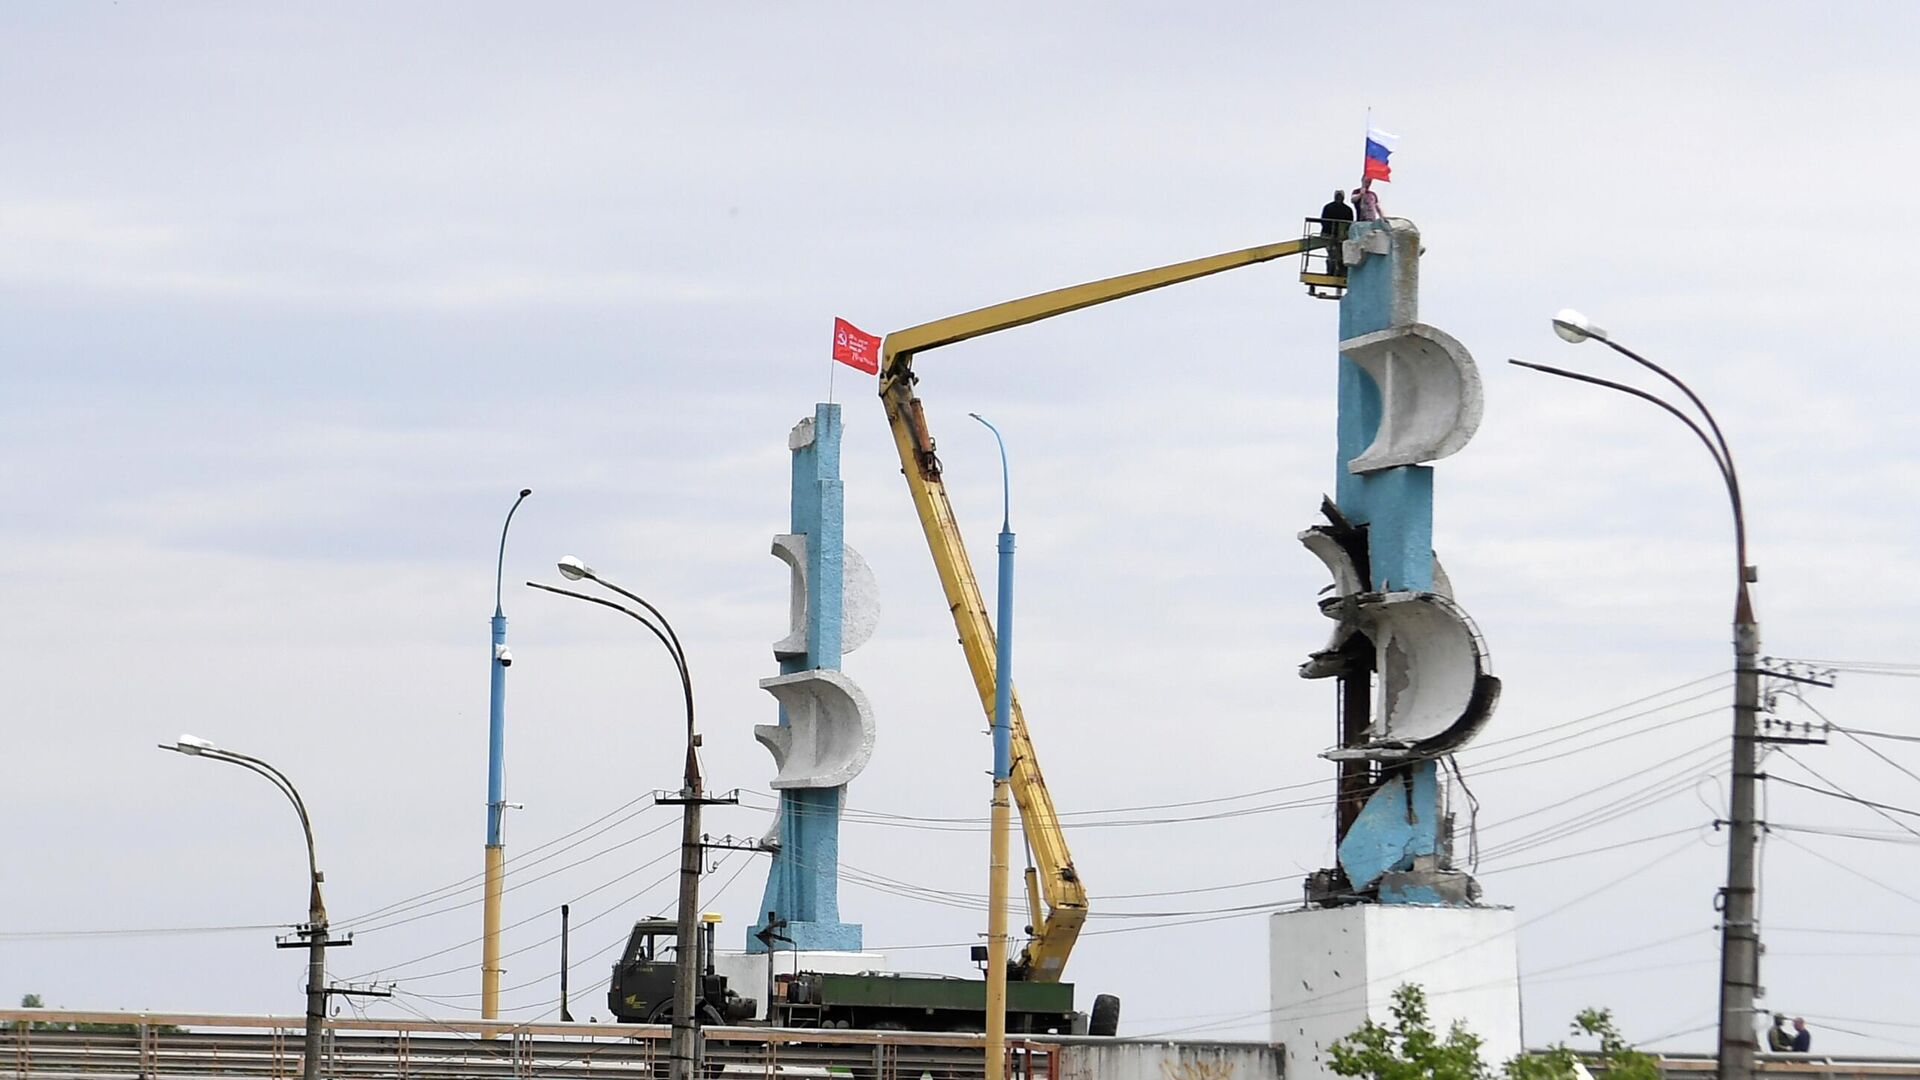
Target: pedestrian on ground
x: 1779, y: 1039
x: 1802, y: 1038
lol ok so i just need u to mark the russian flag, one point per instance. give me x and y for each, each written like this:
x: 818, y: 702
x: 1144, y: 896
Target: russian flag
x: 1379, y: 149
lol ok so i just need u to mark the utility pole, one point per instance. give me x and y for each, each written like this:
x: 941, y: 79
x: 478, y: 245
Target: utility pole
x: 1739, y: 929
x: 685, y: 1047
x: 1002, y: 813
x: 1739, y: 924
x: 684, y: 1050
x: 315, y: 931
x: 316, y: 934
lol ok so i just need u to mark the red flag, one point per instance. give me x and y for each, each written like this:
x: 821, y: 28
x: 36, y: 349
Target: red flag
x: 855, y: 347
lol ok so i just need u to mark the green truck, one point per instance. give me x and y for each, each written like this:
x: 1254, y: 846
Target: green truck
x: 641, y: 992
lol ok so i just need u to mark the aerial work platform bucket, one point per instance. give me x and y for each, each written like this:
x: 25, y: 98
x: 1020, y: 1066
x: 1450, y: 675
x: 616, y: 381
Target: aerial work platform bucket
x: 1322, y: 270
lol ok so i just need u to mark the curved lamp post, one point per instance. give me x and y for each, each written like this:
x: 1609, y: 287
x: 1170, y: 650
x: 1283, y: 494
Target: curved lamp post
x: 496, y: 788
x: 690, y: 797
x: 1739, y: 927
x: 315, y: 931
x: 1002, y: 814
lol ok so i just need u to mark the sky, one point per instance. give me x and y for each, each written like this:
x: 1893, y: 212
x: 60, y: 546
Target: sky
x: 294, y: 300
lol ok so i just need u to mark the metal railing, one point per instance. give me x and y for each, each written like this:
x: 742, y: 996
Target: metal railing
x: 191, y: 1045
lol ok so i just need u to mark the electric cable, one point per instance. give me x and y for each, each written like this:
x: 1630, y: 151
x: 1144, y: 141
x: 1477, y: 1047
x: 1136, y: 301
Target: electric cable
x: 149, y: 931
x: 385, y: 925
x: 1288, y: 1007
x: 879, y: 816
x: 1863, y: 876
x: 474, y: 941
x: 512, y: 862
x: 1593, y: 850
x: 1879, y: 836
x: 1838, y: 792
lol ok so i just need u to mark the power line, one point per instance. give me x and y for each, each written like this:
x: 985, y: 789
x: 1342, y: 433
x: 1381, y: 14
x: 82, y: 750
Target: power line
x: 1876, y: 753
x: 871, y: 816
x: 1481, y: 744
x: 974, y: 825
x: 1845, y: 797
x: 151, y: 931
x: 1611, y: 723
x: 473, y: 941
x: 1865, y: 667
x: 1593, y: 851
x: 519, y: 884
x: 1877, y: 734
x: 552, y: 1004
x: 517, y: 861
x: 1549, y: 913
x: 1856, y: 873
x: 1882, y: 836
x: 1650, y: 794
x: 1847, y: 930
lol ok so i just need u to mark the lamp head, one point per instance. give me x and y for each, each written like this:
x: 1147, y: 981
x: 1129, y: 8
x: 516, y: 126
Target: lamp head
x: 1575, y: 328
x: 573, y: 569
x: 191, y: 744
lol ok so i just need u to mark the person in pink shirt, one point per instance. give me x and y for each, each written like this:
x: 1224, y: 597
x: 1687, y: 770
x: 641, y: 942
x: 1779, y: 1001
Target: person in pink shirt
x: 1366, y: 205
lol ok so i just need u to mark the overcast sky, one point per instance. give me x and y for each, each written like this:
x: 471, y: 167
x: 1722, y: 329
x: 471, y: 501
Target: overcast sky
x: 293, y: 301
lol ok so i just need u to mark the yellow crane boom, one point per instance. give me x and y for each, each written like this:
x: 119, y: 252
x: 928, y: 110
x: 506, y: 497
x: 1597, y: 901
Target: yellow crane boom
x: 1056, y: 898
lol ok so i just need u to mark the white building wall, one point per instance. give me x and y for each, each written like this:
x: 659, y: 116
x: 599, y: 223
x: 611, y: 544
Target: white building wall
x: 1123, y: 1060
x: 1333, y: 969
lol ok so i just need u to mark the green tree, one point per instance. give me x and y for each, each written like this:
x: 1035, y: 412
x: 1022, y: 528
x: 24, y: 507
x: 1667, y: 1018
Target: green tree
x: 1618, y: 1059
x: 1410, y: 1049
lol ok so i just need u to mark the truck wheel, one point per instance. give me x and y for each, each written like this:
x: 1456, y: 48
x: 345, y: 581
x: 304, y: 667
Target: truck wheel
x: 1105, y: 1019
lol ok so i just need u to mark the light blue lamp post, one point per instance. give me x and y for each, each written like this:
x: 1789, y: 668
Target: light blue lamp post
x: 496, y: 783
x: 1003, y: 624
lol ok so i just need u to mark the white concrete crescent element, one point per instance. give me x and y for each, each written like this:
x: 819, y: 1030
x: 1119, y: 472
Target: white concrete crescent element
x: 1327, y: 548
x: 1435, y: 689
x: 791, y: 548
x: 860, y: 601
x: 828, y: 737
x: 1347, y: 582
x: 1430, y: 399
x: 859, y: 604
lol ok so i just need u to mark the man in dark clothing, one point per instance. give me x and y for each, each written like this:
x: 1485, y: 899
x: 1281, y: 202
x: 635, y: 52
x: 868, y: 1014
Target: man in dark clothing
x: 1802, y: 1038
x: 1334, y: 219
x: 1779, y: 1039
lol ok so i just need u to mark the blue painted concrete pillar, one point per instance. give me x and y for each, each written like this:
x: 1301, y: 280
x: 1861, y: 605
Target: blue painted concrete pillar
x: 497, y: 733
x: 803, y: 884
x: 1403, y: 819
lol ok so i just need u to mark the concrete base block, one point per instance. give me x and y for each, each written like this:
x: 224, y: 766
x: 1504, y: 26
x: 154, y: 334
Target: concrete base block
x: 747, y: 972
x: 1334, y: 969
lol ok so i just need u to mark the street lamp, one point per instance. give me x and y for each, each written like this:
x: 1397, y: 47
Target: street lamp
x: 496, y: 864
x: 315, y: 931
x: 1739, y: 927
x: 684, y: 1048
x: 1001, y: 812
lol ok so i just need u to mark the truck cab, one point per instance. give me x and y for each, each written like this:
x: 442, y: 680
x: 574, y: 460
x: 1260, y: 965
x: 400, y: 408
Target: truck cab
x: 641, y: 988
